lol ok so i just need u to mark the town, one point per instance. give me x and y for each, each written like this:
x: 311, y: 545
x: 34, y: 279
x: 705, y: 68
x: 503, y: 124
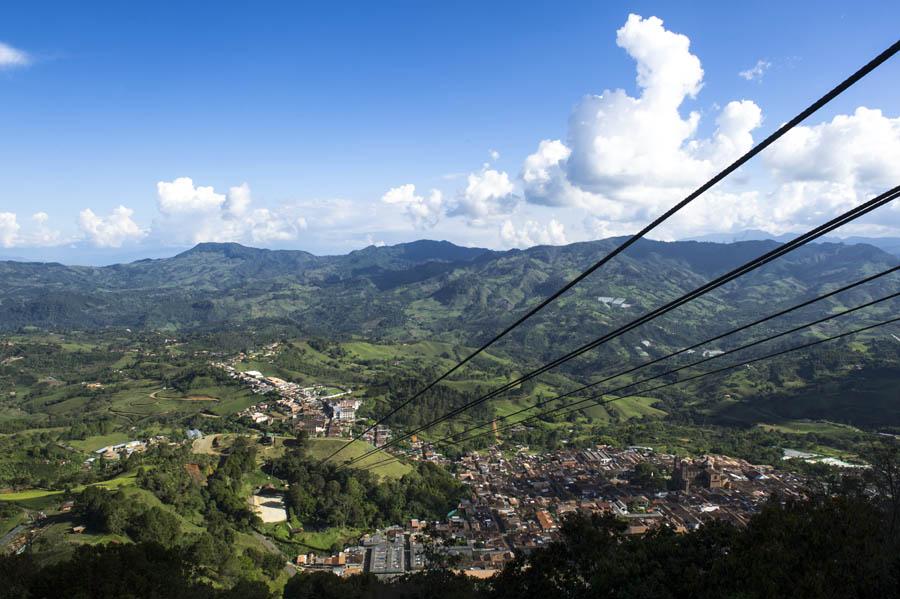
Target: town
x: 318, y: 410
x: 517, y: 499
x: 517, y: 502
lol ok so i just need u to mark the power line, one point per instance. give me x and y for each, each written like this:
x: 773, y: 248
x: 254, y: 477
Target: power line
x: 689, y: 348
x: 781, y: 250
x: 710, y: 358
x: 781, y: 131
x: 581, y: 402
x: 718, y: 282
x: 597, y: 398
x: 670, y: 355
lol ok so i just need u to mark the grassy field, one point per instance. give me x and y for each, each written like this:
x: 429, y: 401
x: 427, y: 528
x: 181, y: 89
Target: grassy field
x: 41, y: 498
x: 804, y: 427
x: 422, y: 349
x: 319, y: 540
x: 320, y: 448
x: 635, y: 407
x: 98, y: 441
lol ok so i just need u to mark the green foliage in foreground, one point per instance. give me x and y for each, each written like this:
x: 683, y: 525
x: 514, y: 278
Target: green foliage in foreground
x: 840, y: 546
x: 830, y: 547
x: 145, y: 570
x: 842, y: 543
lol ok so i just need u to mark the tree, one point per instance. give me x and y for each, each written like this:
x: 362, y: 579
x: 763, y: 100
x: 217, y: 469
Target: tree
x: 155, y: 525
x: 885, y: 477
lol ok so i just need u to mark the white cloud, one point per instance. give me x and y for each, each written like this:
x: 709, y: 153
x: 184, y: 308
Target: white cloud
x: 112, y: 230
x: 181, y: 197
x: 196, y: 214
x: 266, y: 226
x: 12, y: 57
x: 14, y: 234
x: 756, y: 71
x: 9, y: 229
x: 830, y: 167
x: 42, y: 235
x: 488, y: 195
x: 238, y: 200
x: 861, y: 150
x: 545, y: 182
x: 372, y: 241
x: 620, y: 144
x: 628, y: 158
x: 532, y: 233
x: 423, y: 211
x: 494, y: 154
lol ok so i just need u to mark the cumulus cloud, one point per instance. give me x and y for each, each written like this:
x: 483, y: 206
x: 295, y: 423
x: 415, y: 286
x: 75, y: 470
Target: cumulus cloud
x: 423, y: 211
x: 542, y: 174
x: 488, y: 195
x: 620, y: 144
x: 12, y: 57
x: 494, y: 154
x: 861, y: 150
x: 14, y: 234
x: 182, y: 197
x: 266, y: 226
x: 42, y: 234
x: 627, y: 158
x: 112, y: 230
x: 827, y: 168
x: 195, y: 214
x: 532, y: 233
x: 756, y: 71
x: 238, y: 200
x: 9, y: 229
x: 374, y: 242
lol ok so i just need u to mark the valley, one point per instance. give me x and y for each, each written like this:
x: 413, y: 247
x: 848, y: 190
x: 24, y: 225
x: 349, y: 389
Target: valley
x: 131, y: 430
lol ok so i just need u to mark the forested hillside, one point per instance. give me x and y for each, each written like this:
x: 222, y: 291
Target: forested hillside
x: 438, y: 292
x: 425, y: 289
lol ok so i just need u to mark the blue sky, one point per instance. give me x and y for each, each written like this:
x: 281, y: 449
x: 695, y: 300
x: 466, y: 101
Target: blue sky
x: 322, y: 110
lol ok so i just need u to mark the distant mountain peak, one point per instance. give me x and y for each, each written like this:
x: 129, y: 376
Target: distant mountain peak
x: 218, y: 248
x: 425, y: 250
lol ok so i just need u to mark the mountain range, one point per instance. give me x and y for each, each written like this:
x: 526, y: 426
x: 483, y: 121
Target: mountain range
x: 437, y: 291
x: 81, y: 254
x: 423, y: 289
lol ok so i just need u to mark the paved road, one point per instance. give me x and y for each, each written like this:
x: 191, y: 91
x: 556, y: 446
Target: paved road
x: 11, y: 535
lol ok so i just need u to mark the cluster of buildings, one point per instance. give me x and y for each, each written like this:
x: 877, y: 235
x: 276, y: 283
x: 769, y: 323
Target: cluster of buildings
x: 400, y: 550
x: 312, y: 409
x: 614, y: 302
x: 390, y: 552
x: 378, y: 436
x: 119, y: 451
x: 517, y: 502
x: 528, y: 495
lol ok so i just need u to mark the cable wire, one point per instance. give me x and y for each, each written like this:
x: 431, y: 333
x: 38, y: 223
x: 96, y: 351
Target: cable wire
x: 781, y: 131
x: 597, y: 399
x: 754, y: 264
x: 689, y: 348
